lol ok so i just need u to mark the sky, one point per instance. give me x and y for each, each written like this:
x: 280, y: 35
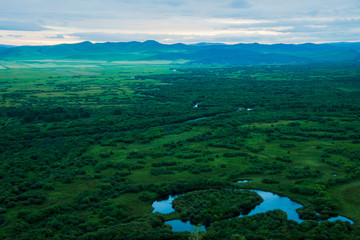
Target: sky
x: 48, y: 22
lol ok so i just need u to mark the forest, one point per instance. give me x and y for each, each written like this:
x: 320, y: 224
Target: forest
x: 86, y: 147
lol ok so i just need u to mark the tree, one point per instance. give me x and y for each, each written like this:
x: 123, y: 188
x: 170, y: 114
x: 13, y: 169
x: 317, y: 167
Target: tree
x: 196, y: 233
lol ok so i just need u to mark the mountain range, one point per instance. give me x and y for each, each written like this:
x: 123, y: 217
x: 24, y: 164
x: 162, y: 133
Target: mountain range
x: 201, y: 53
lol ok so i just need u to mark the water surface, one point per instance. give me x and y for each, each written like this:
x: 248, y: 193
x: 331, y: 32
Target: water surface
x: 344, y: 219
x: 271, y: 201
x: 180, y: 226
x: 244, y: 181
x: 164, y: 206
x: 197, y: 119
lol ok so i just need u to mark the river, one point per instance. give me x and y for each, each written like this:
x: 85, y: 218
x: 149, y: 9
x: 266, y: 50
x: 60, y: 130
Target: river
x: 271, y: 201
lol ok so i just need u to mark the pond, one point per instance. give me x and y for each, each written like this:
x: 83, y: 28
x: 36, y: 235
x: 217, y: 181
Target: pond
x: 244, y: 181
x: 344, y: 219
x: 271, y: 202
x: 164, y: 206
x: 180, y: 226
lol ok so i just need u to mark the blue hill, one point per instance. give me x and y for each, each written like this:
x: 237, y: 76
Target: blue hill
x: 202, y: 53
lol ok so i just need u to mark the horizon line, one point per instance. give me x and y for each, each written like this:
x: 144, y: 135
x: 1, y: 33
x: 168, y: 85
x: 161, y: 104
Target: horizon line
x: 196, y: 43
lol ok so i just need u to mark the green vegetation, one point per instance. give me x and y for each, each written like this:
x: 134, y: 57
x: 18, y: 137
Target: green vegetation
x: 86, y: 146
x: 274, y: 225
x: 207, y: 206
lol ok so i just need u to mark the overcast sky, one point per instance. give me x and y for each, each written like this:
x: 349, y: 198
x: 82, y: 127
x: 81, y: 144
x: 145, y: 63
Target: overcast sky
x: 39, y: 22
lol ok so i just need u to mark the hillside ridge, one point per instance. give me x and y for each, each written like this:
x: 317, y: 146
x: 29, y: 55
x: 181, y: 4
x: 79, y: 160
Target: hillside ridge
x: 201, y: 53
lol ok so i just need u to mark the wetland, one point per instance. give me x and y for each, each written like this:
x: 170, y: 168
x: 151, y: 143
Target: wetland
x: 88, y: 147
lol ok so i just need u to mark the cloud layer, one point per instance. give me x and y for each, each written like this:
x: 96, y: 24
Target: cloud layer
x: 40, y: 22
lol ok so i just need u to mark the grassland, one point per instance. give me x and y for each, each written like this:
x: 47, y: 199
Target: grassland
x: 86, y: 146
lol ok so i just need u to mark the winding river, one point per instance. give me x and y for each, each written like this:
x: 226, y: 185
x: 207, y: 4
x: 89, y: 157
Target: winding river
x: 271, y: 202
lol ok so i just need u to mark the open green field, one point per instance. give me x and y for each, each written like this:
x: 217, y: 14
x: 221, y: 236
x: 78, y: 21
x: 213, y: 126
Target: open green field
x: 87, y: 146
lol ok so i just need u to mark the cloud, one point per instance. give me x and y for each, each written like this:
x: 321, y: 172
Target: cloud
x: 127, y: 37
x: 240, y: 4
x: 186, y: 21
x: 14, y: 36
x: 57, y: 36
x: 165, y: 2
x: 229, y: 36
x: 20, y: 26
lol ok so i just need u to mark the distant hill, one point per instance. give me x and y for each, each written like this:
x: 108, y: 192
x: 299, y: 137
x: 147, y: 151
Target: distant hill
x: 202, y: 53
x: 2, y: 46
x: 207, y: 44
x: 348, y: 45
